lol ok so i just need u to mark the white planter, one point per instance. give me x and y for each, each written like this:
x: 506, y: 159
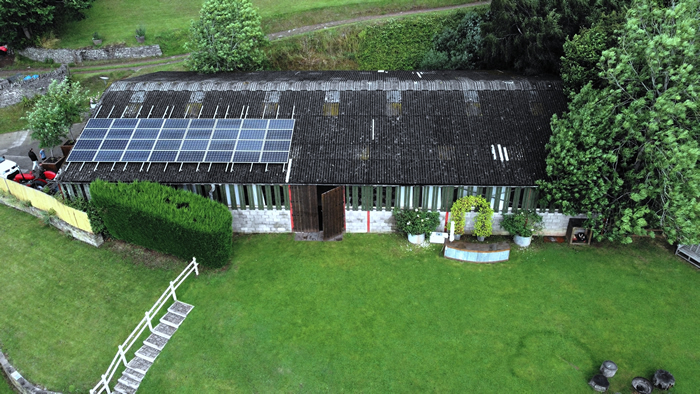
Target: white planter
x: 523, y: 242
x: 416, y: 239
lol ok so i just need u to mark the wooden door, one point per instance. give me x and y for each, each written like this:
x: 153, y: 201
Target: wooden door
x: 333, y: 213
x: 305, y: 209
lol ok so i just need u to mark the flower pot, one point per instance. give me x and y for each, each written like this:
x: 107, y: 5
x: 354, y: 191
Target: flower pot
x: 66, y: 147
x: 480, y: 238
x: 140, y: 39
x: 416, y: 238
x: 523, y: 242
x: 52, y: 163
x: 97, y: 42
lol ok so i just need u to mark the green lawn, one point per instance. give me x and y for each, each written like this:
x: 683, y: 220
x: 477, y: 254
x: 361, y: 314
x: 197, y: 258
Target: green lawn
x: 117, y: 20
x: 368, y: 314
x: 65, y: 305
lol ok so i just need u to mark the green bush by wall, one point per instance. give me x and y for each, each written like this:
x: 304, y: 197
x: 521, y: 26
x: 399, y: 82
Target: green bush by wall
x: 401, y: 44
x: 165, y: 219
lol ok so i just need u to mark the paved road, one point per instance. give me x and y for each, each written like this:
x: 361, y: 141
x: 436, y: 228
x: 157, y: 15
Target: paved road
x: 15, y: 146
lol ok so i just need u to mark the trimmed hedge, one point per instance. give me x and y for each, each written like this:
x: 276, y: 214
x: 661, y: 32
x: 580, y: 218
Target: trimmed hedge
x: 165, y: 219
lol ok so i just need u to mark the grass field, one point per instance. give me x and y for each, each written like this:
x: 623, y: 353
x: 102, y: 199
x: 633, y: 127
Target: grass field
x: 117, y: 20
x: 368, y: 314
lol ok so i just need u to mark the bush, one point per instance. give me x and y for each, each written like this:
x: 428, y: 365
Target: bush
x: 523, y: 223
x: 165, y: 219
x: 415, y: 221
x: 483, y: 221
x: 399, y: 44
x: 94, y: 214
x: 456, y: 48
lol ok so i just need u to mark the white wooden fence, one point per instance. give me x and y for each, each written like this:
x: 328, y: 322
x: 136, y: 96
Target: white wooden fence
x: 103, y: 384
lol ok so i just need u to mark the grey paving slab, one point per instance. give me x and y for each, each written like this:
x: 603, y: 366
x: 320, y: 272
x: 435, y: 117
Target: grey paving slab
x: 172, y: 319
x: 156, y: 341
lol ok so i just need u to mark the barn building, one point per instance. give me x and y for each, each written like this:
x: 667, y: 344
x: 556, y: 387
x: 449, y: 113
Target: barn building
x: 325, y: 151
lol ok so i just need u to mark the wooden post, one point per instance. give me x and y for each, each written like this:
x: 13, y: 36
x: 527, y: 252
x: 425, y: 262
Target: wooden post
x: 148, y: 320
x: 172, y: 290
x: 121, y: 353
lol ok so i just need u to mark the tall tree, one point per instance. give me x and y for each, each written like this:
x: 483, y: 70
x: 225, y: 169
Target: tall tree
x: 456, y: 48
x: 583, y: 51
x: 227, y: 37
x: 528, y: 35
x: 22, y: 21
x: 56, y: 111
x: 627, y: 154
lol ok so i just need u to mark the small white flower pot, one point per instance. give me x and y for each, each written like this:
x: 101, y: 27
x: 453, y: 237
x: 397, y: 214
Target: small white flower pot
x: 523, y: 242
x: 416, y: 238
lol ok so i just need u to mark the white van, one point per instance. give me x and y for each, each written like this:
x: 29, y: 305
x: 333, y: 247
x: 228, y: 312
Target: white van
x: 8, y: 168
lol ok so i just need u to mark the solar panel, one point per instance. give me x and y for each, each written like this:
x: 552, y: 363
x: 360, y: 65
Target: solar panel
x: 185, y: 140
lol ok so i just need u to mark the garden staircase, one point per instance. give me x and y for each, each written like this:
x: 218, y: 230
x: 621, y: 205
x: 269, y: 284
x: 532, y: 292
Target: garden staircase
x: 143, y: 359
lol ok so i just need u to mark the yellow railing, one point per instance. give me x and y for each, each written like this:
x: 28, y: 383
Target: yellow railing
x: 46, y: 203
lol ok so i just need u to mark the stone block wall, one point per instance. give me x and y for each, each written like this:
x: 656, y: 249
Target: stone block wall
x: 66, y: 56
x: 12, y: 93
x: 279, y: 221
x: 261, y: 221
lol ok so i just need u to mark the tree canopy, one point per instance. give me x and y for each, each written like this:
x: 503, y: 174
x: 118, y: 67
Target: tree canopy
x: 456, y: 48
x: 22, y: 21
x: 227, y: 37
x: 56, y: 111
x: 528, y: 35
x: 627, y: 153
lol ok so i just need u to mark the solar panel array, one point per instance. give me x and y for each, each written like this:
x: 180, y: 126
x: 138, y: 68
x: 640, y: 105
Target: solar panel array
x: 184, y: 141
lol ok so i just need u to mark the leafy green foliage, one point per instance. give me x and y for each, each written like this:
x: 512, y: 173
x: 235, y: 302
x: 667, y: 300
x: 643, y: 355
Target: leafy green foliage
x: 399, y: 44
x: 165, y: 219
x: 94, y: 214
x: 23, y: 21
x: 415, y: 221
x: 227, y: 37
x: 484, y: 218
x: 627, y: 154
x: 456, y: 48
x: 528, y: 35
x: 583, y: 52
x: 56, y: 111
x: 524, y: 223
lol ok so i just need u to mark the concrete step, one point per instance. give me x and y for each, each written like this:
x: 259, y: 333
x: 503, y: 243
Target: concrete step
x: 147, y: 353
x: 127, y: 381
x: 139, y: 365
x: 164, y: 330
x: 180, y: 308
x: 120, y: 388
x: 133, y: 374
x: 156, y: 341
x: 172, y: 319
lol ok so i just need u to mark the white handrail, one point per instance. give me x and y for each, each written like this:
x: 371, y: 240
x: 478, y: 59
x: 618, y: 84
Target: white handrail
x: 146, y: 322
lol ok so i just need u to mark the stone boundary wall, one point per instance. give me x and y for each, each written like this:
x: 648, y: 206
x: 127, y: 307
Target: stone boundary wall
x: 77, y: 56
x: 279, y: 221
x: 12, y: 93
x: 261, y: 221
x: 93, y: 239
x: 18, y: 381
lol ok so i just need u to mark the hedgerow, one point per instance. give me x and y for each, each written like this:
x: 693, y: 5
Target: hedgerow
x: 165, y: 219
x: 401, y: 44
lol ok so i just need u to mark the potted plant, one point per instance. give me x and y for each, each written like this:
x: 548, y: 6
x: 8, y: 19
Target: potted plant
x: 522, y: 225
x: 416, y: 223
x: 96, y: 38
x: 141, y: 34
x: 483, y: 221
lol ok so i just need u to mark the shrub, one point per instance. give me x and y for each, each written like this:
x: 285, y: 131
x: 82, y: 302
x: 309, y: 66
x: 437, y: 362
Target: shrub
x: 523, y: 223
x: 483, y: 221
x: 456, y: 48
x: 94, y: 214
x: 399, y: 44
x: 165, y: 219
x: 415, y: 221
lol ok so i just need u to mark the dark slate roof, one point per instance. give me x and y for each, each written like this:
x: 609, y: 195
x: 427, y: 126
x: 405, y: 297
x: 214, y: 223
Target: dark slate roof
x: 442, y: 133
